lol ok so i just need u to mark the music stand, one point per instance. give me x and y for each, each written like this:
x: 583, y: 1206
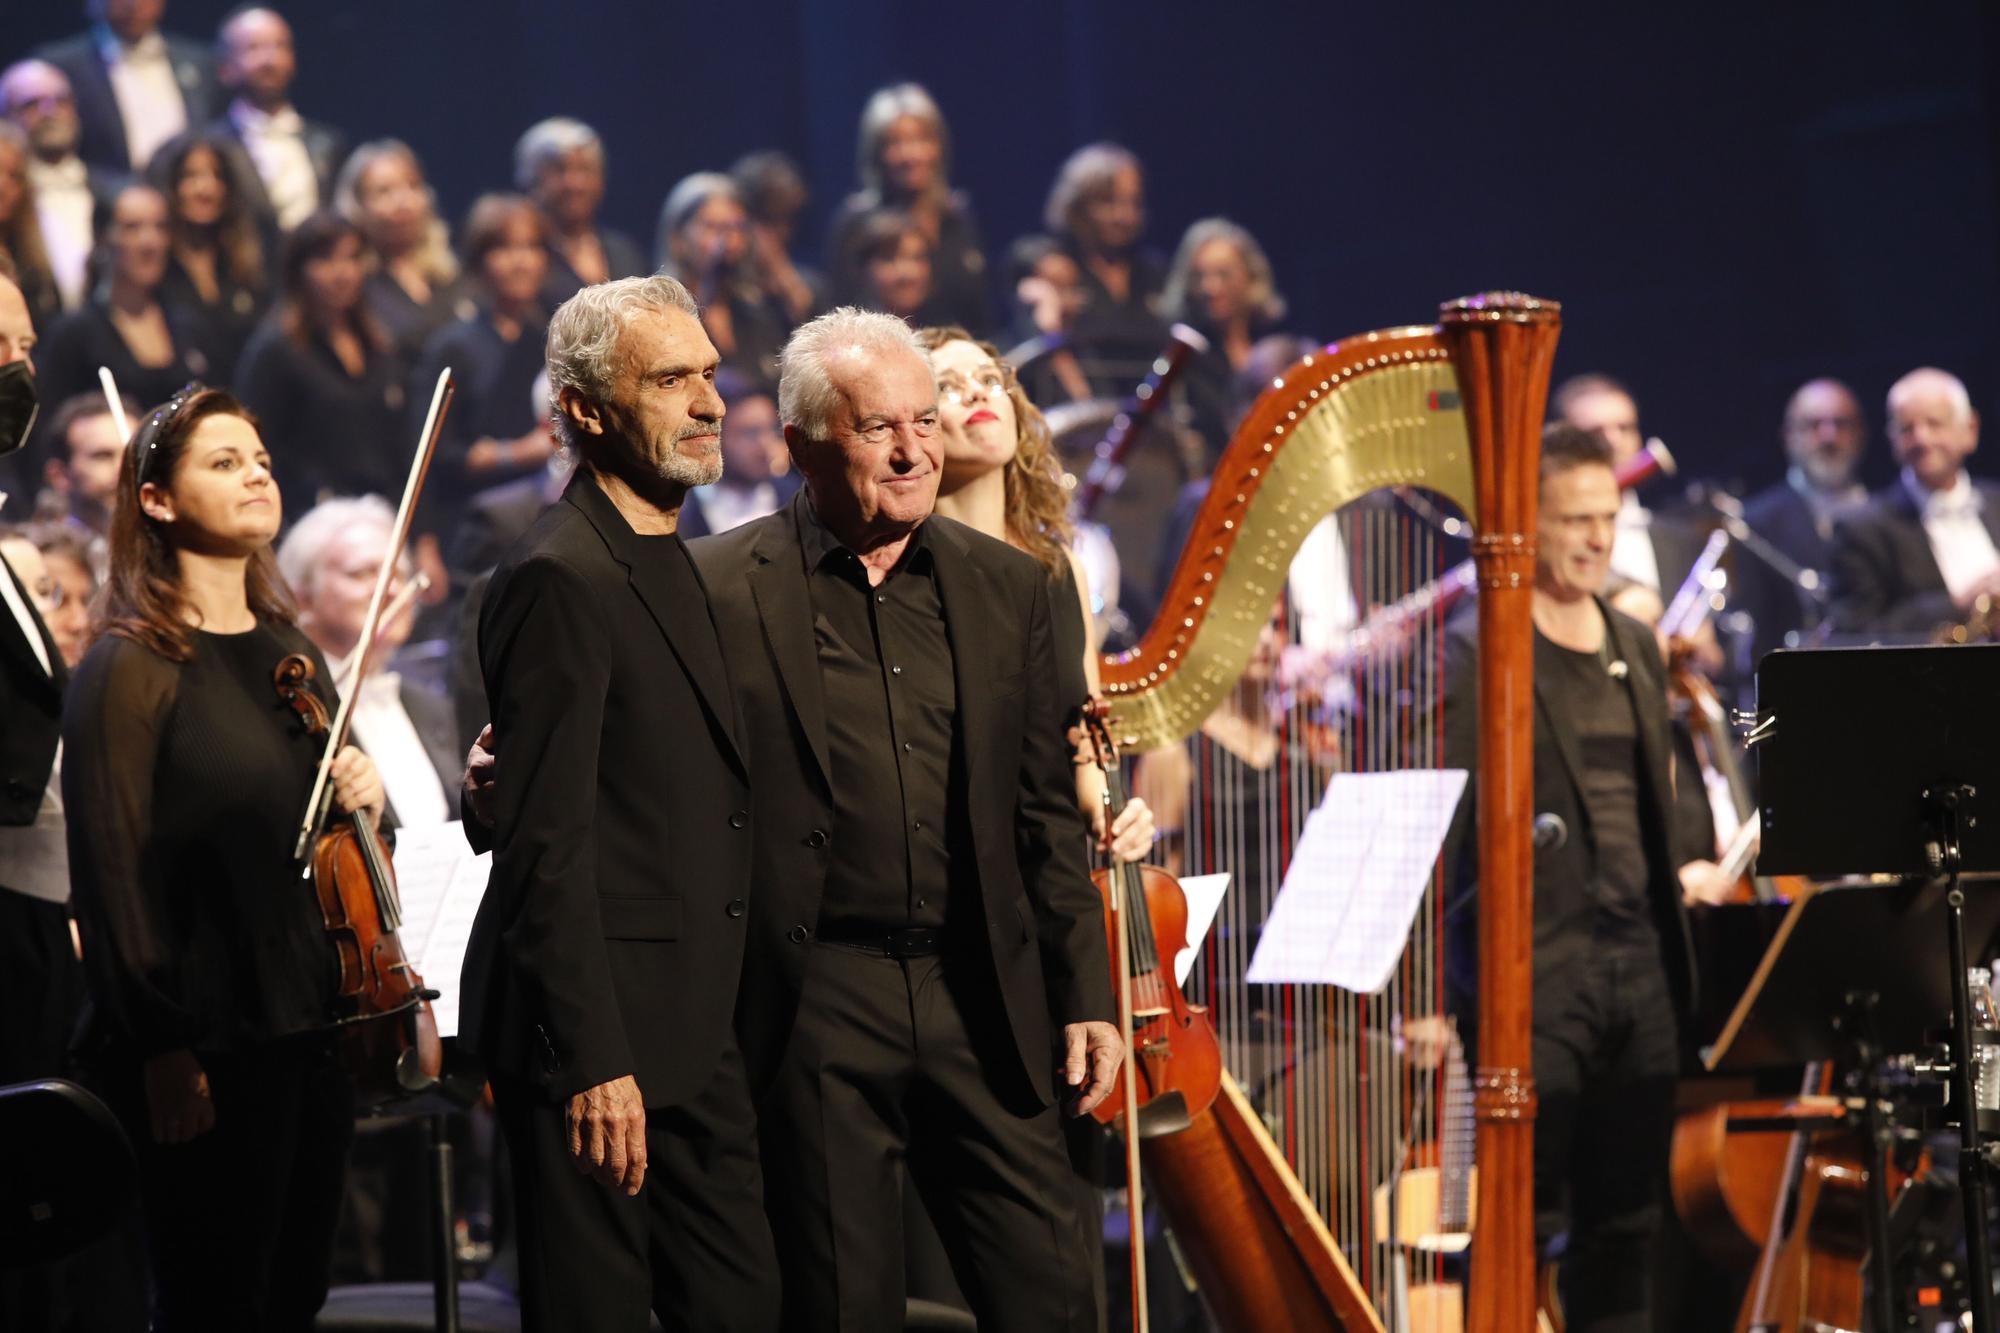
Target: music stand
x: 1879, y: 762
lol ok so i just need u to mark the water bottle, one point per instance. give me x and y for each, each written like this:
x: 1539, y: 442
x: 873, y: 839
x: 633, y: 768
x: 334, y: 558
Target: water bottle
x: 1985, y: 1059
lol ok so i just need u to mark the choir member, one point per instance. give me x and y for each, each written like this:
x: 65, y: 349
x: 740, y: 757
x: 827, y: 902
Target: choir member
x: 559, y: 163
x: 903, y: 156
x: 705, y: 243
x: 290, y: 160
x: 151, y: 346
x: 69, y: 192
x: 135, y: 86
x: 324, y: 375
x: 412, y: 285
x: 218, y: 266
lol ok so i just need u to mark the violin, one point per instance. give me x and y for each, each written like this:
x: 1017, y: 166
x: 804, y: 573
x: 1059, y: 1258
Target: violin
x: 389, y: 1036
x: 1173, y: 1064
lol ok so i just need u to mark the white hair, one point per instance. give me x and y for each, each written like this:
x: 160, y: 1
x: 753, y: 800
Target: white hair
x: 884, y: 108
x: 1952, y: 385
x: 584, y: 333
x: 806, y: 396
x: 1088, y: 172
x: 300, y: 553
x: 547, y: 141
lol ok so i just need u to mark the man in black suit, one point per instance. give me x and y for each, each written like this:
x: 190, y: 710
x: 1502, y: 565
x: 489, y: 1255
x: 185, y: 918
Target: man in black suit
x: 41, y: 983
x: 286, y: 163
x: 1651, y: 550
x: 1824, y: 435
x: 927, y: 949
x: 69, y: 192
x: 135, y: 87
x: 1922, y: 554
x: 1613, y: 959
x: 602, y: 971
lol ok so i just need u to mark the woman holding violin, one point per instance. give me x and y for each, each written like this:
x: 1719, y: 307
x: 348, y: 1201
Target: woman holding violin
x: 184, y: 777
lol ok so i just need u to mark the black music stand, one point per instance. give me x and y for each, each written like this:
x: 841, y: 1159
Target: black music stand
x: 1881, y: 762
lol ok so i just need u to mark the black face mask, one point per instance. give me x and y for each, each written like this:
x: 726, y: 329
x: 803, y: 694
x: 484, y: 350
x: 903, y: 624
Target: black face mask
x: 18, y: 405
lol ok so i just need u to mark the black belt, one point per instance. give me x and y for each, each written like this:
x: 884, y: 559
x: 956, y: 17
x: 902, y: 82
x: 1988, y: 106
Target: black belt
x: 907, y: 942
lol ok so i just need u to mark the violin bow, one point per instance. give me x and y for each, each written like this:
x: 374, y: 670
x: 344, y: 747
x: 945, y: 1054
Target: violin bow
x: 1123, y: 884
x: 336, y: 735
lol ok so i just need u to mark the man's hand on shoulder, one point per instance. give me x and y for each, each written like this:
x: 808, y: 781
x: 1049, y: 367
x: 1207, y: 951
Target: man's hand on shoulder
x: 477, y: 781
x: 1092, y: 1053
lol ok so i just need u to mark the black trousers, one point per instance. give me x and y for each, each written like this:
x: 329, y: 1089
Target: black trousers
x: 1606, y: 1055
x: 884, y: 1075
x: 692, y: 1246
x: 239, y: 1222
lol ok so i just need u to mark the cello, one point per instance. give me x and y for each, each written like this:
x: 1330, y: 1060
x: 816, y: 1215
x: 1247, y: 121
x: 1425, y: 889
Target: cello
x: 389, y: 1040
x: 1173, y: 1065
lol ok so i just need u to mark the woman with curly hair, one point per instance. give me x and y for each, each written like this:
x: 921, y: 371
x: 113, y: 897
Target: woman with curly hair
x: 217, y: 259
x: 1001, y: 477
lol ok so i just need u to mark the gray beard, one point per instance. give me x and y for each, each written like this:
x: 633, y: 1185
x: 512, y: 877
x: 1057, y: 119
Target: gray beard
x: 684, y: 471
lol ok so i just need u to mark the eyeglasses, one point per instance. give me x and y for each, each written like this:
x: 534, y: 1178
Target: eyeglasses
x: 146, y: 443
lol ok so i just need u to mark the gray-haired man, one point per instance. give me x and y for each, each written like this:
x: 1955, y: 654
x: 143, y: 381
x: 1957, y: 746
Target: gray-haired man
x: 602, y: 972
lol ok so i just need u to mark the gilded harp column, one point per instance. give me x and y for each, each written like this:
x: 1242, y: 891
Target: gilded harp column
x: 1502, y: 344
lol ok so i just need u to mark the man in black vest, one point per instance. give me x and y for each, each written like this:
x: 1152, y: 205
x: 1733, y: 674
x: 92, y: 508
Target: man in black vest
x: 927, y: 951
x: 602, y: 971
x: 1613, y: 961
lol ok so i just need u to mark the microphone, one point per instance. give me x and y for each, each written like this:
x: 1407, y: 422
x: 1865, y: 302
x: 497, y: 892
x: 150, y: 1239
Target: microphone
x: 1550, y: 832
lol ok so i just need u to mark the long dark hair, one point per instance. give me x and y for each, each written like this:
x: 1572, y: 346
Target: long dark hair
x: 315, y: 238
x: 142, y: 598
x: 236, y: 239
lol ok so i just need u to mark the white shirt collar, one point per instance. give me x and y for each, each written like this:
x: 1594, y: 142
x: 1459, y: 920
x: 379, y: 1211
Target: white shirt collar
x: 70, y: 173
x: 1957, y: 498
x: 150, y: 47
x: 252, y: 120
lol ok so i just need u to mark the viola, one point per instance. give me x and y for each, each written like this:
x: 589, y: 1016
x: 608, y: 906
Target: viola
x: 389, y: 1038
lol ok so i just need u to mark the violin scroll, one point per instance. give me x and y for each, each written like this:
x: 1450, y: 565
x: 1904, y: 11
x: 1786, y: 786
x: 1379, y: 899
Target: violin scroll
x: 293, y: 678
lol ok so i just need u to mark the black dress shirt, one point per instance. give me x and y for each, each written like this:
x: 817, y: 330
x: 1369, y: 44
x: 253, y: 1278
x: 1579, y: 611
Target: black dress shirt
x: 886, y: 665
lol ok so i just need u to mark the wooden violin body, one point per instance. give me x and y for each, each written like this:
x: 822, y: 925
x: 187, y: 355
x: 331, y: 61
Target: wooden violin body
x: 1174, y: 1050
x: 389, y: 1038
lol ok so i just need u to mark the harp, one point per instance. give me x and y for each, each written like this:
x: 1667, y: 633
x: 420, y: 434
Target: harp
x: 1277, y: 1195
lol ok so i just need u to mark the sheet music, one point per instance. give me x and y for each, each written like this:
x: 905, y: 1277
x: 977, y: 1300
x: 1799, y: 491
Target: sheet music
x: 440, y: 882
x: 1204, y: 899
x: 1356, y: 878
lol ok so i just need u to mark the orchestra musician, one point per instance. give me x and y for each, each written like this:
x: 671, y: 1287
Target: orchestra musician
x: 1922, y: 553
x: 1650, y: 550
x: 603, y: 966
x: 184, y: 778
x: 1613, y: 963
x: 927, y: 950
x: 1824, y: 434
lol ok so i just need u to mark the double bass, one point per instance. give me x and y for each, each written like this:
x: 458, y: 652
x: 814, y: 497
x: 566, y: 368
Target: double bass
x: 389, y: 1039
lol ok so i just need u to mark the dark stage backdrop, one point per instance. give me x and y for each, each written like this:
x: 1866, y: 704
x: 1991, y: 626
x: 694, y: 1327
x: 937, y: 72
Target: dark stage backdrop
x: 1726, y: 199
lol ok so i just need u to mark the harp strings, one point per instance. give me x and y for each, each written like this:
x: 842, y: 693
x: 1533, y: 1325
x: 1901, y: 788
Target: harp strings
x: 1325, y: 1066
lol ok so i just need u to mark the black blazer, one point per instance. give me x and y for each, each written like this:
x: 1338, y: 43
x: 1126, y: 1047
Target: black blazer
x: 102, y: 140
x: 325, y: 145
x: 30, y: 712
x: 1784, y: 518
x: 611, y: 936
x: 1563, y: 906
x: 1885, y: 578
x: 1043, y: 922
